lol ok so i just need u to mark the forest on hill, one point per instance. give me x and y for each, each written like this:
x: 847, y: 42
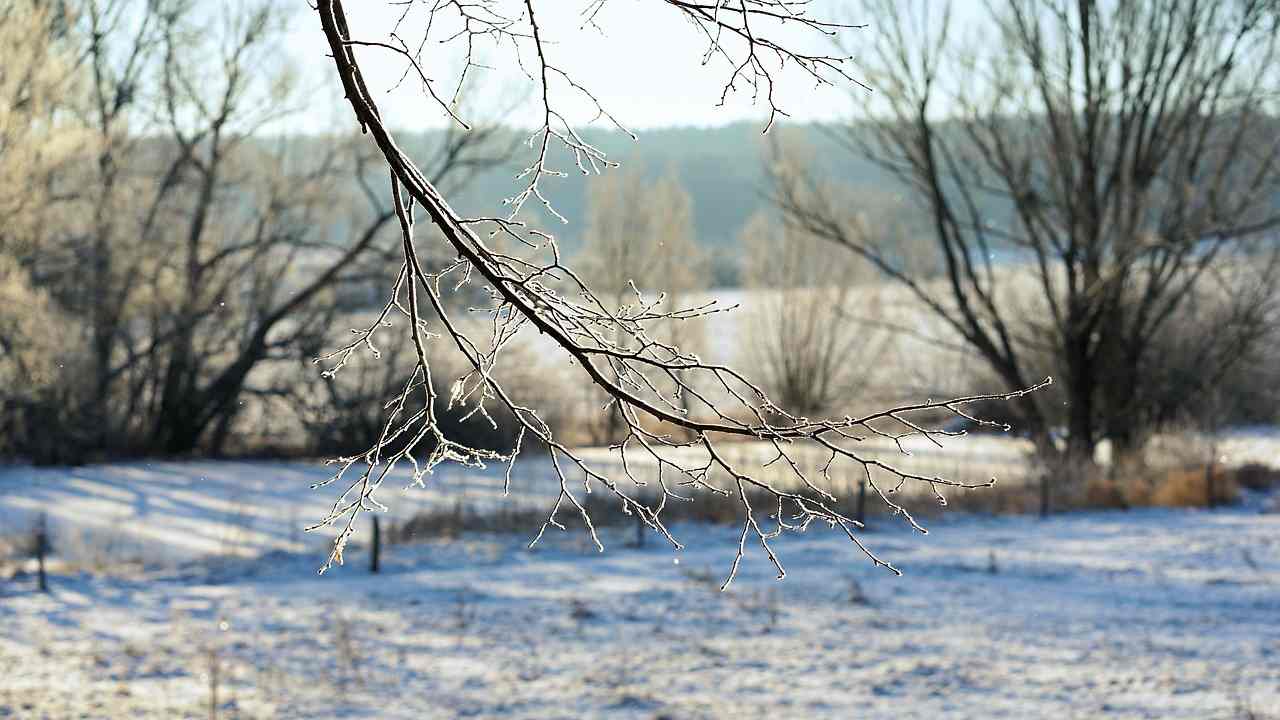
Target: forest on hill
x: 723, y: 169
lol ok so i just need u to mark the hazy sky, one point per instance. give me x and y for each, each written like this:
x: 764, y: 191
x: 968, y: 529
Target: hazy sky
x: 645, y: 68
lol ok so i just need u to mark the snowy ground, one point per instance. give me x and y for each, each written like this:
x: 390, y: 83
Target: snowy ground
x: 172, y: 511
x: 1152, y: 614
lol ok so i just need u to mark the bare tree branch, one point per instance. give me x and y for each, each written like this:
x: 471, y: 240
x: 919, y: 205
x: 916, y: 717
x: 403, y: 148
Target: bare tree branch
x: 614, y: 347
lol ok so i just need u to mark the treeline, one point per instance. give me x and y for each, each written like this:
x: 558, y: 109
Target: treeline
x: 169, y: 271
x: 725, y: 168
x: 157, y: 251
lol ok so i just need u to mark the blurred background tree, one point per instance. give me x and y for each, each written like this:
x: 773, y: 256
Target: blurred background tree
x: 1097, y: 179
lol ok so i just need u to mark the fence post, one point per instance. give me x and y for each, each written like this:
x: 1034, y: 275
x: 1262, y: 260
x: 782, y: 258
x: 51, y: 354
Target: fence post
x: 1045, y: 500
x: 375, y: 555
x: 42, y: 548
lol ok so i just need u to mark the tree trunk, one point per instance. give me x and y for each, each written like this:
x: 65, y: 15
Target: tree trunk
x: 221, y: 431
x: 1210, y: 481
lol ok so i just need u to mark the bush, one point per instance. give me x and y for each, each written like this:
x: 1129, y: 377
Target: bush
x: 1180, y: 487
x: 1108, y: 494
x: 1187, y: 487
x: 39, y: 373
x: 344, y: 414
x: 1176, y: 487
x: 1257, y: 477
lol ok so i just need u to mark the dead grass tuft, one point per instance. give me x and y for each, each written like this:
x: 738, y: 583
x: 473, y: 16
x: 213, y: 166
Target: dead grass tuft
x: 1190, y: 487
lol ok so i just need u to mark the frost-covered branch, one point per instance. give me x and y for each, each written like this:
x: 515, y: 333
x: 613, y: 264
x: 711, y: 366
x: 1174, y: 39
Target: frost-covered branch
x: 648, y: 380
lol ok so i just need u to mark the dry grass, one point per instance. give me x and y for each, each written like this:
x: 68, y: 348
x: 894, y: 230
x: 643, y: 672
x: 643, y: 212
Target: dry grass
x: 706, y: 508
x: 1190, y: 487
x: 605, y: 511
x: 14, y: 550
x: 18, y: 552
x: 455, y: 521
x: 1108, y: 494
x: 14, y: 545
x: 1180, y: 487
x: 1183, y: 486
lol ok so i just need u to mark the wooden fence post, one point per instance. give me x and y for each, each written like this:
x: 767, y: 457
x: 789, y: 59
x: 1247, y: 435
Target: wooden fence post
x: 1211, y: 499
x: 375, y: 554
x: 42, y: 548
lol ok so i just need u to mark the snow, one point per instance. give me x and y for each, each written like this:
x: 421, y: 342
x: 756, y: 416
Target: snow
x: 1144, y: 614
x: 173, y: 511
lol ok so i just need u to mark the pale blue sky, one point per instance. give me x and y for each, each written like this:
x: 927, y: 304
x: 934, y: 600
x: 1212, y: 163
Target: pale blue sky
x: 645, y: 68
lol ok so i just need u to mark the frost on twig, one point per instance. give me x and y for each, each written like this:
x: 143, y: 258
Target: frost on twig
x: 649, y: 382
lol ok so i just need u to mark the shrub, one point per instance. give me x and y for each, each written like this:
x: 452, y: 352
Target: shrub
x: 1258, y: 477
x: 1187, y: 487
x: 39, y: 373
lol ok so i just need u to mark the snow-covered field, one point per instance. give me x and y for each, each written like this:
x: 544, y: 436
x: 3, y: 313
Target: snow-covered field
x: 171, y: 511
x: 1151, y: 614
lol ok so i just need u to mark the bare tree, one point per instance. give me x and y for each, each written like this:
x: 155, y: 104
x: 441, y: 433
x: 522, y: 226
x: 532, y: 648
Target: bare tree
x: 639, y: 236
x: 639, y: 242
x: 811, y: 356
x: 1119, y: 152
x: 1219, y: 352
x: 120, y: 46
x: 189, y: 248
x: 532, y: 290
